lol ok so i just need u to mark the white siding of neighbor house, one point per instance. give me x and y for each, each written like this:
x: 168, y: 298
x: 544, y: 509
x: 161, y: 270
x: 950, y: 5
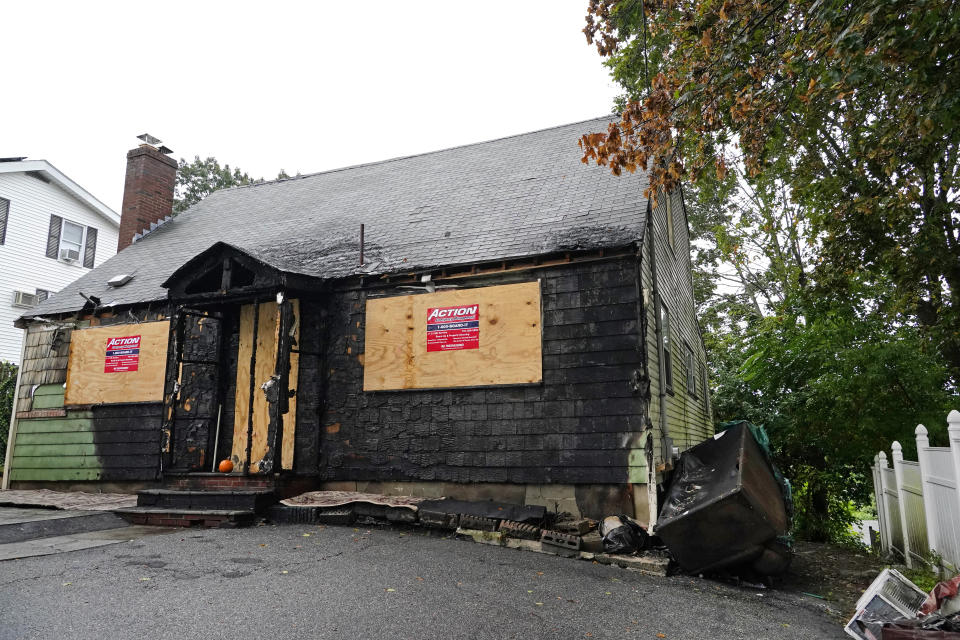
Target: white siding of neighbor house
x: 23, y: 262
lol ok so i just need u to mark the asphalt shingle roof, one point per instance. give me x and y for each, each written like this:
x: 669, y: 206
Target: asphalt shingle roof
x: 513, y: 197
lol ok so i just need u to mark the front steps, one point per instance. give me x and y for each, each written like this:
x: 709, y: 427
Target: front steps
x: 212, y: 499
x: 197, y: 499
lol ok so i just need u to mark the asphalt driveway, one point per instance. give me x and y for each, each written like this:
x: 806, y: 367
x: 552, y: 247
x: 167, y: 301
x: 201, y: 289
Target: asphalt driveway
x: 294, y: 581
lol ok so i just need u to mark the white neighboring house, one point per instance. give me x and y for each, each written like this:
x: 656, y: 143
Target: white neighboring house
x: 51, y: 232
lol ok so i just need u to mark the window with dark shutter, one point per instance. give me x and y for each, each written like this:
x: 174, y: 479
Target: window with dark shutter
x: 690, y: 365
x: 42, y: 294
x: 666, y: 347
x: 4, y: 214
x: 706, y: 389
x: 90, y: 250
x: 53, y: 237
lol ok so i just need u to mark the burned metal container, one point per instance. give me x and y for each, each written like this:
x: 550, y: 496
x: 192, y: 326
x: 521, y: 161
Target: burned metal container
x: 724, y: 505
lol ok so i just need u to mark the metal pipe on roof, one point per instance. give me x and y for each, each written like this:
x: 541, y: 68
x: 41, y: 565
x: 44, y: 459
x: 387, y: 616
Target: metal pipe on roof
x: 361, y: 244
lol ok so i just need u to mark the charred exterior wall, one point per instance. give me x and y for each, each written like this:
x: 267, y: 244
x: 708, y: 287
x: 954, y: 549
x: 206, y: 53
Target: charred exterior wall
x: 56, y: 444
x: 577, y: 427
x: 310, y: 391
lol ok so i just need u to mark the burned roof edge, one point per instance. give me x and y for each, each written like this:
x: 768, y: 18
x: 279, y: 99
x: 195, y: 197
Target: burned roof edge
x: 412, y: 269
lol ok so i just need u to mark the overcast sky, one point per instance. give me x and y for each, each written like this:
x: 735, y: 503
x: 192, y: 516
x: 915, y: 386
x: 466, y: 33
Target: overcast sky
x: 299, y: 86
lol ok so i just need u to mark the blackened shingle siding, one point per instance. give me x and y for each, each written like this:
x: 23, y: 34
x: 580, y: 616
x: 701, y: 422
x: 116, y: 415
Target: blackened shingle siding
x: 573, y: 428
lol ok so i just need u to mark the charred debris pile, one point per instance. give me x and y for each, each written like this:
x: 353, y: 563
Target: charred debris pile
x: 727, y: 510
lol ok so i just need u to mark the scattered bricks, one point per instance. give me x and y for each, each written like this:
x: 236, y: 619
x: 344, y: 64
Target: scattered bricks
x: 402, y: 515
x: 519, y: 530
x: 384, y: 512
x: 282, y: 514
x: 576, y: 527
x: 592, y: 542
x: 477, y: 522
x: 654, y: 565
x: 439, y: 519
x: 523, y: 545
x: 335, y: 515
x: 561, y: 544
x: 483, y: 537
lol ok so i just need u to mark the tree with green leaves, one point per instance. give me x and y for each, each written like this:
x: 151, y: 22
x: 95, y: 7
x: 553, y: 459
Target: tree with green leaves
x: 8, y: 383
x: 834, y: 380
x: 198, y: 179
x: 854, y: 107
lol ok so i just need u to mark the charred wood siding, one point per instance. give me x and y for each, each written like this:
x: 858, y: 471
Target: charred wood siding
x: 575, y: 427
x: 228, y: 380
x: 127, y: 439
x: 313, y: 323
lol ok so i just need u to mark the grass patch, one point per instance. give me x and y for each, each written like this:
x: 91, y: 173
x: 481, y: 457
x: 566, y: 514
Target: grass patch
x: 924, y: 577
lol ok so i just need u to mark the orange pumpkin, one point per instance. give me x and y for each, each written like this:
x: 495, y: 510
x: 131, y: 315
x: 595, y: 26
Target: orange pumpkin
x: 226, y: 466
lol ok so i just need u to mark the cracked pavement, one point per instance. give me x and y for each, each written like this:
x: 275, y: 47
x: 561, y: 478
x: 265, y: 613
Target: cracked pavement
x: 296, y: 581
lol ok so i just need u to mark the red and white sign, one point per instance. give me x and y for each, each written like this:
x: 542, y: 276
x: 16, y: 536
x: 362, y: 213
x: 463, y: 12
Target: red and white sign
x: 453, y: 328
x: 123, y: 354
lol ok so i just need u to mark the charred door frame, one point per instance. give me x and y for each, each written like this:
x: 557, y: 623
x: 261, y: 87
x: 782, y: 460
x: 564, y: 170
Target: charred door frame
x: 222, y: 292
x: 172, y: 382
x: 277, y: 388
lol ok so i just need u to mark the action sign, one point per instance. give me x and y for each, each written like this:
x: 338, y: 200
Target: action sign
x: 453, y: 328
x: 123, y: 354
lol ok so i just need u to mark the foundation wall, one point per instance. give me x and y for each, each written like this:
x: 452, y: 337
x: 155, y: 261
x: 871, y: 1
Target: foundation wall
x: 590, y: 501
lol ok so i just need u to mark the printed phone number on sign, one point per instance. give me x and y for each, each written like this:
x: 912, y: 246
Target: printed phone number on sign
x: 122, y: 354
x: 453, y: 328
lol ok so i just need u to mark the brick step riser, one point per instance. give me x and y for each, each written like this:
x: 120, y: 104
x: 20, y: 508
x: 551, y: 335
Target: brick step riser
x: 179, y: 519
x: 284, y: 487
x: 221, y: 483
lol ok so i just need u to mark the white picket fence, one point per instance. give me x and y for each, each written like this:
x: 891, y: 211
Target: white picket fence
x: 918, y: 503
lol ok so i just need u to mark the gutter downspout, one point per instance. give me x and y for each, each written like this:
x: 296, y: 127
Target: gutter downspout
x: 12, y: 433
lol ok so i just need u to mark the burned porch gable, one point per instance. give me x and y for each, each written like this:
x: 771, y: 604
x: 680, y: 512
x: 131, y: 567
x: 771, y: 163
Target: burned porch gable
x: 234, y: 353
x: 222, y: 271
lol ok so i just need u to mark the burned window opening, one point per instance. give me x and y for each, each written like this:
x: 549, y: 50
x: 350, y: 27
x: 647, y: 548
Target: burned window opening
x: 240, y: 276
x: 209, y: 282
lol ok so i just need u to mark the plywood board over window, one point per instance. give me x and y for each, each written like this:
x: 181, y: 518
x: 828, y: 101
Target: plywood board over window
x: 103, y: 369
x: 505, y: 349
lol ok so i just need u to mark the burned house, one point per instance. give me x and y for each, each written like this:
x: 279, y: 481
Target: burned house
x: 496, y: 320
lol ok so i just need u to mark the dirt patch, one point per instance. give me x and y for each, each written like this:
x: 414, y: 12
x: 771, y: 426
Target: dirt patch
x: 837, y: 574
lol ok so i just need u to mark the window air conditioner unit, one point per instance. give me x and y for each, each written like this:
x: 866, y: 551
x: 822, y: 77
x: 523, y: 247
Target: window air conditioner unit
x: 24, y: 299
x: 69, y: 255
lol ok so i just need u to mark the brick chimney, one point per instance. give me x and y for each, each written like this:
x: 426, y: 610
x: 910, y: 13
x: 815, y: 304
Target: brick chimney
x: 147, y: 191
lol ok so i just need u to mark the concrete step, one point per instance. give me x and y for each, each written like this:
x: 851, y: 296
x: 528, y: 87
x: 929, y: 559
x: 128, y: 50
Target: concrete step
x: 242, y: 500
x: 19, y: 524
x: 179, y: 517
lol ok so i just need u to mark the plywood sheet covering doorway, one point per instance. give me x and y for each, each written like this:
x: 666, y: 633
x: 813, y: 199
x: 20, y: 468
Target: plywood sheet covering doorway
x: 88, y: 383
x: 510, y: 342
x: 263, y: 356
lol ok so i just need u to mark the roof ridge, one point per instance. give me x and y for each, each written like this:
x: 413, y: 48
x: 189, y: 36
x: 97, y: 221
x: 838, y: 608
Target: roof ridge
x: 413, y: 155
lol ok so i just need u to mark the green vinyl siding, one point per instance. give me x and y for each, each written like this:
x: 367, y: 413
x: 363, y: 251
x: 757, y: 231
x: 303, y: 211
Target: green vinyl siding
x: 688, y: 417
x: 56, y: 448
